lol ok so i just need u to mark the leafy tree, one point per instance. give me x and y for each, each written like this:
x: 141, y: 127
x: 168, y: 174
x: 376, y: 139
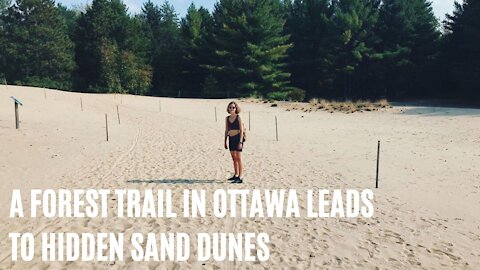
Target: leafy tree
x: 109, y: 46
x: 97, y: 29
x: 122, y: 71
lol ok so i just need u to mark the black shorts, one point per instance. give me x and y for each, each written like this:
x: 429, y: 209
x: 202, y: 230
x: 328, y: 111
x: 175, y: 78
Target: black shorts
x: 233, y: 143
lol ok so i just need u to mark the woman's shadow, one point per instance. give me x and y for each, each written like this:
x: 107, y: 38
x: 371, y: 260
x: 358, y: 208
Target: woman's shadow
x: 174, y: 181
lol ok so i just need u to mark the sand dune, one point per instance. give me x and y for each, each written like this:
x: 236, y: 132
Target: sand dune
x: 426, y: 209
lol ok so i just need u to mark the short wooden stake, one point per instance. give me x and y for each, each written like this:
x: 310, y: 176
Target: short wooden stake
x: 159, y: 106
x: 106, y: 126
x: 378, y: 160
x: 81, y: 103
x: 215, y: 114
x: 276, y: 127
x: 17, y: 120
x: 248, y: 120
x: 118, y: 115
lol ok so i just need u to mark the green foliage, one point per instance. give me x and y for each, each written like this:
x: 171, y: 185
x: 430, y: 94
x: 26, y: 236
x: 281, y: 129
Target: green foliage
x: 4, y: 4
x: 112, y: 49
x: 283, y: 50
x: 151, y: 18
x: 135, y: 76
x: 249, y: 46
x: 461, y: 53
x: 409, y: 39
x: 278, y: 95
x: 354, y: 22
x: 35, y: 44
x: 296, y: 94
x: 109, y: 79
x: 122, y: 72
x: 292, y: 94
x: 255, y: 94
x: 196, y: 29
x: 211, y: 88
x: 166, y: 48
x: 310, y: 24
x: 71, y: 17
x: 37, y: 81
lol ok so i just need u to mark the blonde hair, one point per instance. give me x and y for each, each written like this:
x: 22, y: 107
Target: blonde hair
x: 237, y: 108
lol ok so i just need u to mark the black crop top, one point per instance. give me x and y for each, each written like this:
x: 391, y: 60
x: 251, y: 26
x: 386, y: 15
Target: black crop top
x: 234, y: 125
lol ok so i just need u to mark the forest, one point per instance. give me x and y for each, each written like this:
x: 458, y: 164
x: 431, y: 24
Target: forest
x: 282, y: 50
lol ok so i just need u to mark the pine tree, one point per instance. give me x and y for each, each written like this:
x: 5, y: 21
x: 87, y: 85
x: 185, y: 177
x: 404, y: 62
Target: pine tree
x: 250, y: 47
x: 196, y: 30
x: 310, y: 59
x: 167, y: 62
x: 165, y: 48
x: 71, y: 16
x: 354, y: 22
x: 151, y: 18
x: 409, y: 38
x: 37, y: 50
x: 462, y: 50
x: 4, y: 4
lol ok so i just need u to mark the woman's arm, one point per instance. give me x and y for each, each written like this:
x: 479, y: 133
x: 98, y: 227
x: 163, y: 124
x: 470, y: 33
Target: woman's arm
x: 226, y: 132
x: 240, y: 126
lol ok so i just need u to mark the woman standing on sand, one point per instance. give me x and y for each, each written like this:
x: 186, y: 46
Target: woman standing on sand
x: 234, y: 131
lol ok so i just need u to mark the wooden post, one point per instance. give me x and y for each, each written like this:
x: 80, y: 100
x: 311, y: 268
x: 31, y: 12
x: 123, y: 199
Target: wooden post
x: 81, y: 103
x: 276, y: 128
x: 248, y: 120
x: 45, y: 94
x: 106, y: 126
x: 17, y: 121
x: 17, y: 118
x: 215, y: 113
x: 159, y: 106
x: 118, y: 115
x: 378, y: 159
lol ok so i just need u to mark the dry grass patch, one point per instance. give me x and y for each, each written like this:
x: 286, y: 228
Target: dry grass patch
x: 349, y: 106
x: 331, y: 106
x: 313, y: 102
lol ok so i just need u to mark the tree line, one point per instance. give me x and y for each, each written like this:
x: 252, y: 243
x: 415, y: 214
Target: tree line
x: 287, y: 50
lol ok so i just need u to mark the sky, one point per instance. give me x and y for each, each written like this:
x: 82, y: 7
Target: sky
x: 440, y: 7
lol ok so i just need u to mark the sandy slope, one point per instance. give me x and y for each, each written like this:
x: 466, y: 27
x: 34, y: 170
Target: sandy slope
x: 426, y: 210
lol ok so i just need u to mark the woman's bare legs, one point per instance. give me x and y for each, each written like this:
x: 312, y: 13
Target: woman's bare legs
x: 235, y: 164
x: 239, y: 163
